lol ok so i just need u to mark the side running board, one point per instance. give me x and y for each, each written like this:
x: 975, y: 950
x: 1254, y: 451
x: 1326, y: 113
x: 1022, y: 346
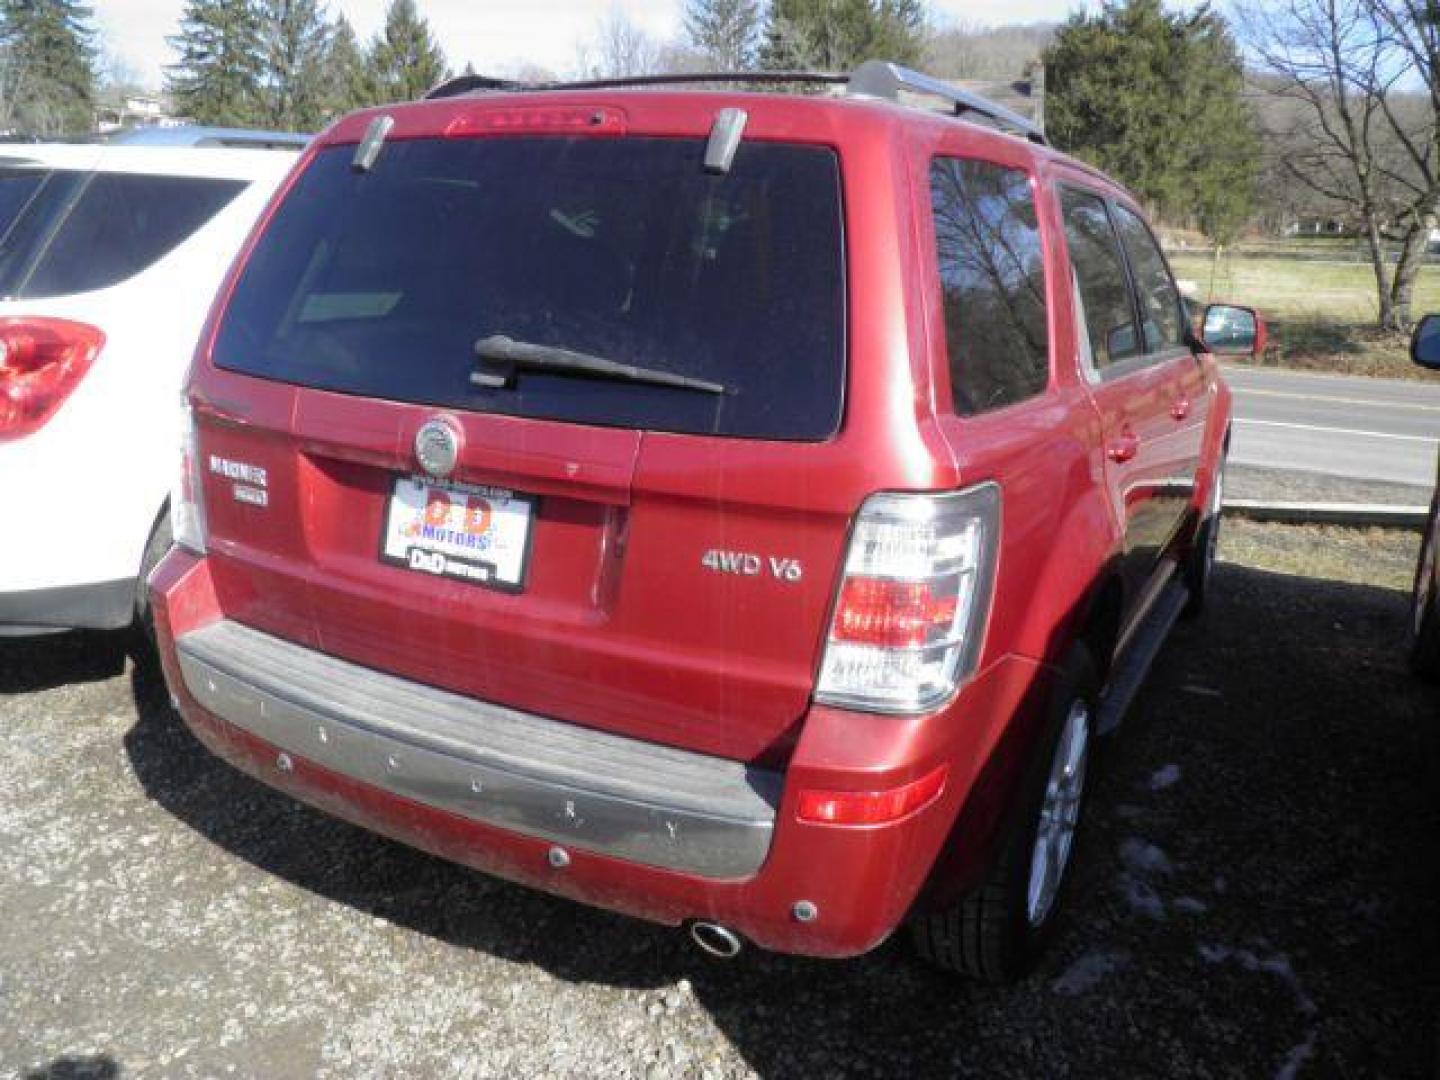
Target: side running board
x: 1132, y: 667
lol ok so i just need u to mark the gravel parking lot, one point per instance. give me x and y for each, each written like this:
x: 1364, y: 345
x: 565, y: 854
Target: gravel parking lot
x: 1258, y: 896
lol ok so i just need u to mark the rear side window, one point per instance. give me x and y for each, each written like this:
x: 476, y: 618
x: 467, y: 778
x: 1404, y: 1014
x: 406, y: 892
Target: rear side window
x: 992, y: 274
x: 1109, y: 313
x: 34, y: 223
x: 624, y: 250
x: 17, y: 188
x: 1159, y: 299
x: 120, y: 224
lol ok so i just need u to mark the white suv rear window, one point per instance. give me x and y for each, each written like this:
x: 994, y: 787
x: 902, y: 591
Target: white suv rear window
x: 79, y: 231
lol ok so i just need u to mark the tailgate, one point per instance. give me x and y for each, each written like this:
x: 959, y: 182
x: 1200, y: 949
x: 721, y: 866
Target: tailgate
x: 669, y: 595
x: 638, y: 541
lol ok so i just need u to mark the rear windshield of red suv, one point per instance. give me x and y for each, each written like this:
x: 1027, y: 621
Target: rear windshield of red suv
x: 381, y: 282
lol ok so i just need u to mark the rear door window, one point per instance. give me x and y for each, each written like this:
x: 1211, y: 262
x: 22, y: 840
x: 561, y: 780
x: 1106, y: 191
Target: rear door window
x: 1160, y: 305
x: 119, y: 225
x: 35, y: 221
x: 17, y: 188
x: 624, y: 250
x: 992, y: 276
x: 1101, y: 277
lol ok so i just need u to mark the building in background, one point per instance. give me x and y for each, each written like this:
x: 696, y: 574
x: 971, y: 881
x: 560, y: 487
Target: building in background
x: 134, y: 110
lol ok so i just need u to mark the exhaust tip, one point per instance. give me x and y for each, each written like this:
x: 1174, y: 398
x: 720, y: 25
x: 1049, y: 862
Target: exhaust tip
x: 717, y: 940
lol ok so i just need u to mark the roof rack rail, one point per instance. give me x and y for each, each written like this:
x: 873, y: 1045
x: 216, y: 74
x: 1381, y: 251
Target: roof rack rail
x: 195, y: 135
x: 882, y: 79
x: 872, y: 79
x: 469, y: 83
x: 465, y: 84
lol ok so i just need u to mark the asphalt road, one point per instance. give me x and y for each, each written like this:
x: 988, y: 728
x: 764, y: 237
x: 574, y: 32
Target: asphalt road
x: 1383, y: 430
x: 1256, y: 896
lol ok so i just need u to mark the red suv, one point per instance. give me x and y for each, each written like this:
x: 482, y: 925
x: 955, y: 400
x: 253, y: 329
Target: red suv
x: 734, y: 509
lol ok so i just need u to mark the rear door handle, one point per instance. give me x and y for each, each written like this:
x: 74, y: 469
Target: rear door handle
x: 1123, y: 448
x: 1180, y: 410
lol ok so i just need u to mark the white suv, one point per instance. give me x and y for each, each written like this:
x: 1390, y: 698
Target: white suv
x: 109, y: 259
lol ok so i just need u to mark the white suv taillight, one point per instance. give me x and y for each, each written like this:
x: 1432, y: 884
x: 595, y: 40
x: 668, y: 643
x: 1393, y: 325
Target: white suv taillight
x: 187, y: 501
x: 910, y: 615
x: 41, y: 363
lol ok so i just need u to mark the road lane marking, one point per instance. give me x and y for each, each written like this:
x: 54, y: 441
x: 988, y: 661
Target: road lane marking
x: 1340, y: 431
x: 1249, y: 391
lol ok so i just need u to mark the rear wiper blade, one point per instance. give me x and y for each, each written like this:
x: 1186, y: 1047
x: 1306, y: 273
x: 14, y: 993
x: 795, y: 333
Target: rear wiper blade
x: 508, y: 356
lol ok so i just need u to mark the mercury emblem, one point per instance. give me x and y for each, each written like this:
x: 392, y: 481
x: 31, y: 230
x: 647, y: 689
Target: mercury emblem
x: 437, y: 446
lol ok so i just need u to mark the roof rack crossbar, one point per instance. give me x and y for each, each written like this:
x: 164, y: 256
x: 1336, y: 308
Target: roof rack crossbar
x: 882, y: 79
x: 872, y: 79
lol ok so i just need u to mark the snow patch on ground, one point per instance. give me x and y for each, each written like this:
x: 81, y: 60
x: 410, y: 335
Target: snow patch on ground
x: 1190, y: 905
x: 1164, y: 777
x: 1087, y: 972
x: 1142, y: 897
x: 1144, y: 858
x: 1296, y: 1059
x: 1278, y: 965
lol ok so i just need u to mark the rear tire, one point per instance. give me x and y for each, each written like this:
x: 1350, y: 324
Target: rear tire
x: 996, y: 933
x: 1200, y: 563
x: 156, y: 548
x: 1425, y: 615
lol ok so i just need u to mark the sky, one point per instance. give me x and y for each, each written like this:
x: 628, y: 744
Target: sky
x: 497, y: 36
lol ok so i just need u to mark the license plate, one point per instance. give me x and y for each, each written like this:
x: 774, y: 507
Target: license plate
x: 461, y: 531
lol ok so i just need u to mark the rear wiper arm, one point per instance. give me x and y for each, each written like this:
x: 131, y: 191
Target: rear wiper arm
x: 507, y: 356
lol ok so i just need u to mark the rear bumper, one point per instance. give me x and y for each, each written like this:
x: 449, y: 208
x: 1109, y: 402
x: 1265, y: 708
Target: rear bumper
x: 105, y: 605
x: 649, y: 831
x: 574, y: 786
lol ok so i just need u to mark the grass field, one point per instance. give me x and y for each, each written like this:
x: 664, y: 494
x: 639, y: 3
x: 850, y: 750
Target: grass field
x: 1321, y: 314
x: 1293, y: 289
x: 1384, y: 558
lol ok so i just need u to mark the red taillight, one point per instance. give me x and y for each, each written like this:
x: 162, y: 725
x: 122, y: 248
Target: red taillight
x: 41, y: 363
x: 872, y: 807
x: 538, y: 120
x: 891, y: 614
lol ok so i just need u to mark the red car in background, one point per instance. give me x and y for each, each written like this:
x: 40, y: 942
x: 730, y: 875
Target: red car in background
x: 740, y: 510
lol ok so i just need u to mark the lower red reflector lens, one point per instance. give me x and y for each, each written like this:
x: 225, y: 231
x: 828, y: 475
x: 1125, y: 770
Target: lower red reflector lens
x: 872, y: 807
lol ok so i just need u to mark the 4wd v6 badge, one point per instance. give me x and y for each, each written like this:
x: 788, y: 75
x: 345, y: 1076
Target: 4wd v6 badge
x: 747, y: 564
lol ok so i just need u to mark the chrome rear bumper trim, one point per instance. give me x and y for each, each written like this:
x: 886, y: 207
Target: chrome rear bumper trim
x: 586, y: 789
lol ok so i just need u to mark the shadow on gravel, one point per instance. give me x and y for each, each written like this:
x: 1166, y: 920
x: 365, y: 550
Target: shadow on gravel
x: 76, y: 1067
x: 1257, y: 891
x: 43, y: 663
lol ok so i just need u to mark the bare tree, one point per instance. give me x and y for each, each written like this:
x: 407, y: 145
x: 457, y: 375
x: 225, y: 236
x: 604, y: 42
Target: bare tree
x: 617, y: 49
x: 1413, y: 30
x: 725, y: 32
x: 12, y: 87
x: 1350, y: 137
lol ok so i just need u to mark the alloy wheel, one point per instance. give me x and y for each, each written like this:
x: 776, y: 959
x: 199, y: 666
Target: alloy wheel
x: 1059, y: 813
x: 1424, y: 584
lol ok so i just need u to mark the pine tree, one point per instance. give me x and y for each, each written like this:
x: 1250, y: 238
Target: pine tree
x: 839, y: 35
x: 296, y: 47
x: 404, y: 61
x: 1156, y: 99
x: 346, y: 77
x: 47, y: 77
x: 218, y: 78
x: 725, y: 32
